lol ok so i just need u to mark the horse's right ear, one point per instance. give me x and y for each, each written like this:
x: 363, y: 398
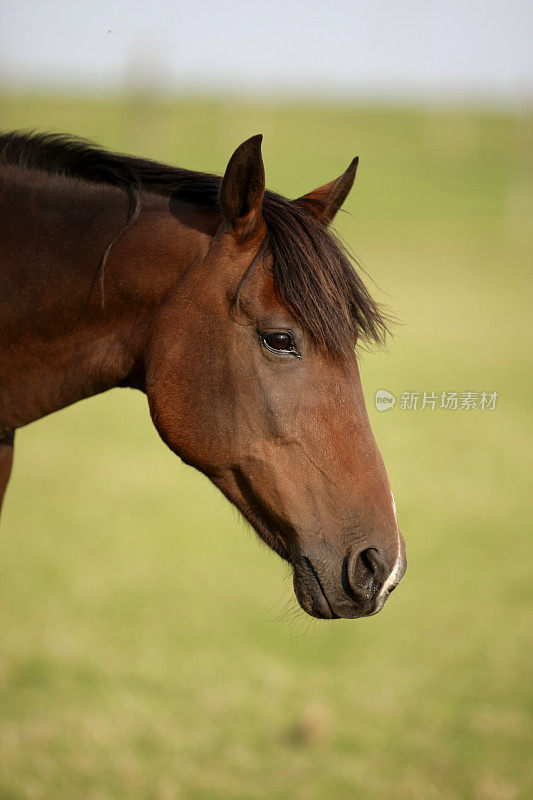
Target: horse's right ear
x: 324, y: 202
x: 243, y: 187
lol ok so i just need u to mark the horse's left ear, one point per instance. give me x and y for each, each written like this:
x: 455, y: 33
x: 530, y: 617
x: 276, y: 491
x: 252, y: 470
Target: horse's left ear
x: 243, y: 187
x: 324, y: 202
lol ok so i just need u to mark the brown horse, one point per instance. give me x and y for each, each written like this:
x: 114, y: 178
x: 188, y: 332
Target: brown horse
x: 236, y: 311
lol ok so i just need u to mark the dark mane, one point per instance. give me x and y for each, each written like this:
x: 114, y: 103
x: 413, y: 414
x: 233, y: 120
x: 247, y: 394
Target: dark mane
x: 314, y: 273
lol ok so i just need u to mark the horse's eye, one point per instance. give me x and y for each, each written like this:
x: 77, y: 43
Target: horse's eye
x: 279, y: 342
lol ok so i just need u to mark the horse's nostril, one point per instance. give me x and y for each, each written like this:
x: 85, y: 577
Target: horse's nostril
x: 368, y: 560
x: 364, y: 574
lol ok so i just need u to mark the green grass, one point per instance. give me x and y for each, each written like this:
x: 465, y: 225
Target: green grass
x: 150, y: 646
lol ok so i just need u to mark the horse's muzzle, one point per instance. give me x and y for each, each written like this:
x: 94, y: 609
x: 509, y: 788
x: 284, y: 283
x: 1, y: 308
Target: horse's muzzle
x: 359, y: 589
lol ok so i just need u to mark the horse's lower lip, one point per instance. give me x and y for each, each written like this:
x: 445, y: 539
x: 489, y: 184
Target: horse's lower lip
x: 319, y: 606
x: 310, y: 592
x: 322, y: 605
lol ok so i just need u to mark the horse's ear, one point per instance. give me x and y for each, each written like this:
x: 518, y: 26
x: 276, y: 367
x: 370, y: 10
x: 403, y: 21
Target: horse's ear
x: 324, y: 202
x: 243, y: 187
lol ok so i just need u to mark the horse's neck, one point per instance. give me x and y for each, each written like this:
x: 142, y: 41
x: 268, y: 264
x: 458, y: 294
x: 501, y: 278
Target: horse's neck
x: 65, y: 334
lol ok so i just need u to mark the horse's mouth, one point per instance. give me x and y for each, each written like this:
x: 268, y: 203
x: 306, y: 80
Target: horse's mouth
x: 321, y: 599
x: 310, y: 592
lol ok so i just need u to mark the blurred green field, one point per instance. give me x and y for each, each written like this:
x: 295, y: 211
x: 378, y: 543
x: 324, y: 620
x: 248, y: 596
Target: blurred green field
x: 151, y: 647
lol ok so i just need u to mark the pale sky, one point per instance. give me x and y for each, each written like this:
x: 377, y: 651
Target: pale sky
x: 415, y: 49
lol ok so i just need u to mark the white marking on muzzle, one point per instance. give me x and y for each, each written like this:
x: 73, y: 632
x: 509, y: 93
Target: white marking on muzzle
x: 398, y: 563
